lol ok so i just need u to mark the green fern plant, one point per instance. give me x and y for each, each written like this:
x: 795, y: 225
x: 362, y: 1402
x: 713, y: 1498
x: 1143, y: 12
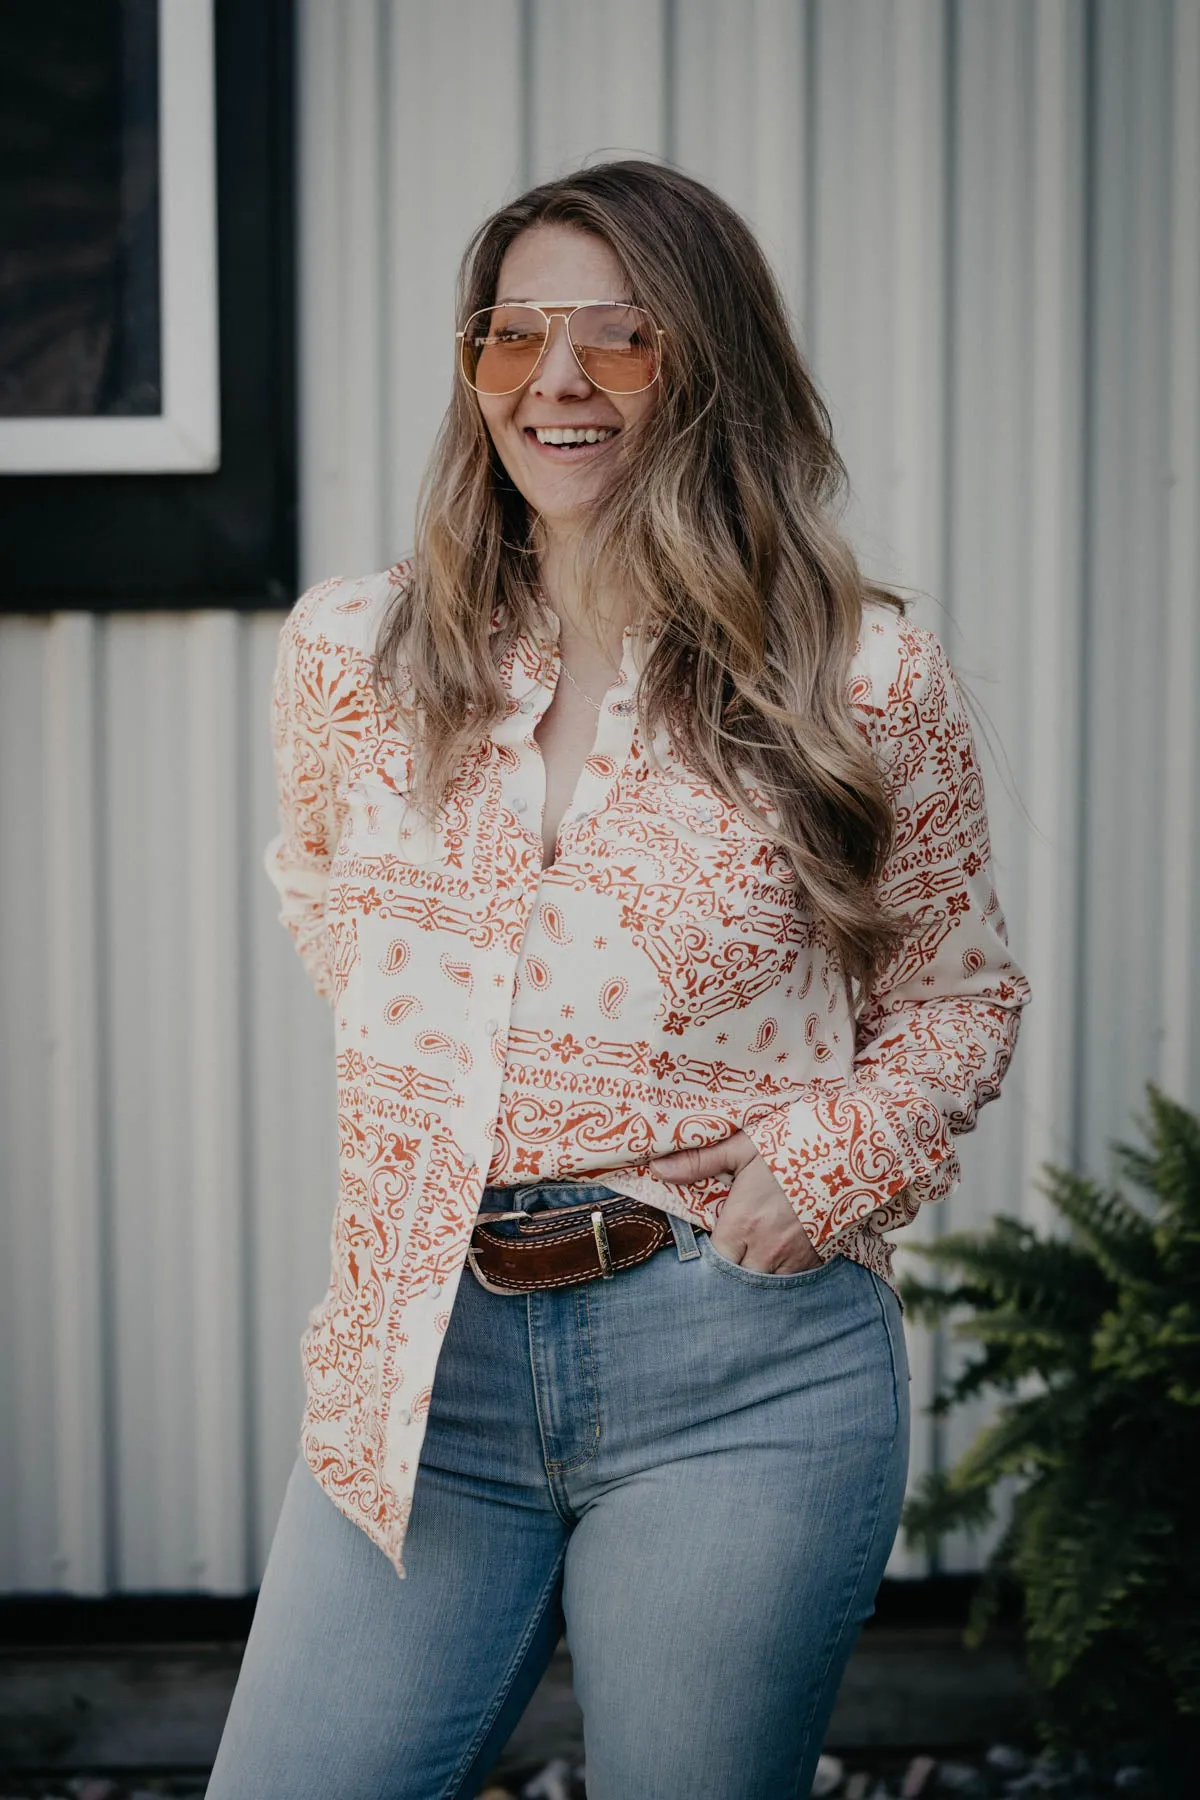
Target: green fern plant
x: 1092, y: 1341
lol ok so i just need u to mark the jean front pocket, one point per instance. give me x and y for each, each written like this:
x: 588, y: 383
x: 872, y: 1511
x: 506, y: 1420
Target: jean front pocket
x: 764, y: 1278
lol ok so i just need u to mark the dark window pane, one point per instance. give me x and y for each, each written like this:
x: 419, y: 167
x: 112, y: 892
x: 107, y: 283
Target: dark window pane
x: 80, y: 328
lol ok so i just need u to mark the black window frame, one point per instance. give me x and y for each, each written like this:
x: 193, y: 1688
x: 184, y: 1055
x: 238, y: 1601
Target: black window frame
x: 129, y: 543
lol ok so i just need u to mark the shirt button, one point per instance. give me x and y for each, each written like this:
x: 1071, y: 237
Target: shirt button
x: 520, y: 803
x: 404, y: 1416
x: 527, y: 706
x: 492, y: 1027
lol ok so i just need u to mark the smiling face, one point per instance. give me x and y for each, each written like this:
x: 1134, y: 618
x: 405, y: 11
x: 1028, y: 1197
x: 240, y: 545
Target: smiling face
x: 545, y: 264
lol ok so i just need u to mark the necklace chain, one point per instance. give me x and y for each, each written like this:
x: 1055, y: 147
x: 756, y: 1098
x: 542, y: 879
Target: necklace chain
x: 597, y: 705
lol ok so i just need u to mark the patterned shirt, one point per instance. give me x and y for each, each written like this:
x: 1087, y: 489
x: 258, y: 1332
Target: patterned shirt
x: 660, y: 985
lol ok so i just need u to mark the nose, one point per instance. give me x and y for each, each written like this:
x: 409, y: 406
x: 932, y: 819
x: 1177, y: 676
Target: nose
x: 558, y: 375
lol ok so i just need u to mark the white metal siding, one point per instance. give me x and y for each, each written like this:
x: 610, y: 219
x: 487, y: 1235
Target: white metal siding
x: 984, y: 216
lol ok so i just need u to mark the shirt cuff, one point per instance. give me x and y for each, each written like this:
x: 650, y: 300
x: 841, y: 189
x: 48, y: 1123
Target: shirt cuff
x: 841, y: 1155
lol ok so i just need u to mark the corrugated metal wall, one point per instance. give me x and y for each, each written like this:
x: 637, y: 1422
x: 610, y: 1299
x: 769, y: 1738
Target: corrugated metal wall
x: 984, y: 213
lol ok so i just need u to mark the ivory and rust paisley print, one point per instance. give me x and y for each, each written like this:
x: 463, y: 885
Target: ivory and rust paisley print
x: 660, y: 984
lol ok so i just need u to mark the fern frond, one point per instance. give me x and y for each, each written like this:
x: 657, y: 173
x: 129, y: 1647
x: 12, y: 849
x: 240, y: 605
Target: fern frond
x: 1051, y: 1282
x: 1116, y: 1234
x: 985, y: 1603
x: 1077, y: 1572
x: 1028, y: 1435
x: 1170, y: 1169
x: 929, y: 1303
x: 1106, y: 1320
x: 991, y: 1370
x: 935, y: 1508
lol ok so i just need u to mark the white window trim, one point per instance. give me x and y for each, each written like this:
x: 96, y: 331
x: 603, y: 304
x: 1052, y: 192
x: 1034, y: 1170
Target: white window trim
x: 185, y: 436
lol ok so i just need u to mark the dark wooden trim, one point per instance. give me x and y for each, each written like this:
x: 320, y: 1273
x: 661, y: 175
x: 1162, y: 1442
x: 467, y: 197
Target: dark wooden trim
x: 55, y: 1621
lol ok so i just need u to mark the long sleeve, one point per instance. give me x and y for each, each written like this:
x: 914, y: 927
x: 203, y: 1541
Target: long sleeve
x: 305, y: 751
x: 934, y: 1041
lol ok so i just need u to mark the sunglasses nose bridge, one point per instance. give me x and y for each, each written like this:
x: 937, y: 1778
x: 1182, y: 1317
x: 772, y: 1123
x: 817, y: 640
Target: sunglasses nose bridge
x: 563, y: 315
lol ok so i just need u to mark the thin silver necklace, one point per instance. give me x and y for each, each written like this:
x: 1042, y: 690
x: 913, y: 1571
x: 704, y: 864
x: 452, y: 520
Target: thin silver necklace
x: 597, y: 705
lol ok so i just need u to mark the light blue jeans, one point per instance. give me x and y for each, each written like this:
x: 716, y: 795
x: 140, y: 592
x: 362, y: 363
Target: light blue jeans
x: 697, y: 1468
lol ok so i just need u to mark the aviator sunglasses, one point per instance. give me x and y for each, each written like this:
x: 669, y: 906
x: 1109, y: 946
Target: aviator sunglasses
x: 617, y: 345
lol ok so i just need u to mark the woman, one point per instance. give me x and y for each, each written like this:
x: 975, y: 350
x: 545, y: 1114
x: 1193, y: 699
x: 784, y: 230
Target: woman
x: 660, y: 992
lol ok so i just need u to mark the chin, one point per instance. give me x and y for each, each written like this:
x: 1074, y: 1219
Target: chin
x: 559, y: 508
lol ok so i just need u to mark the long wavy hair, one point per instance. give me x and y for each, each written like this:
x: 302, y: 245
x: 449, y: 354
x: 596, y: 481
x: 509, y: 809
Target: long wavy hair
x: 719, y: 522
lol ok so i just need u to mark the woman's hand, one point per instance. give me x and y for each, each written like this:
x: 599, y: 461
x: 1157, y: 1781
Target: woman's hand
x: 757, y: 1226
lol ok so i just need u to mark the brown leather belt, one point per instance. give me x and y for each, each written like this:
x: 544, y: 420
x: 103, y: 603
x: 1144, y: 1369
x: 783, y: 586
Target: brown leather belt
x: 565, y: 1245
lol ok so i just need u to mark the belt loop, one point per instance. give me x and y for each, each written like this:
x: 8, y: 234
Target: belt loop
x: 685, y: 1238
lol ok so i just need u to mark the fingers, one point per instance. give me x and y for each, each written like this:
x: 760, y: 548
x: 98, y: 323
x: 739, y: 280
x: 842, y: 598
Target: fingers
x: 757, y: 1226
x: 693, y: 1164
x: 763, y: 1232
x: 765, y: 1259
x: 733, y: 1249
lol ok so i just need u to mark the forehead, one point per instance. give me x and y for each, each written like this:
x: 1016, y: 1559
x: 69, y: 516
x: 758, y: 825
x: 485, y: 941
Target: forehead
x: 550, y: 262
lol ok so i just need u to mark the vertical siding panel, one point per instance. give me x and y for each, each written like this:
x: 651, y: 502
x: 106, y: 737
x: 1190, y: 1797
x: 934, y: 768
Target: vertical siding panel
x: 985, y: 509
x: 223, y: 1378
x: 852, y: 314
x: 876, y: 335
x: 321, y: 277
x: 72, y: 1152
x: 738, y: 85
x: 1014, y: 463
x: 453, y: 137
x: 360, y: 211
x: 780, y: 168
x: 1179, y: 1057
x: 290, y: 1098
x: 914, y: 301
x: 1126, y: 644
x: 148, y: 954
x: 29, y: 1537
x: 1048, y: 928
x: 988, y: 514
x: 597, y: 86
x: 1016, y: 458
x: 876, y: 332
x: 341, y: 169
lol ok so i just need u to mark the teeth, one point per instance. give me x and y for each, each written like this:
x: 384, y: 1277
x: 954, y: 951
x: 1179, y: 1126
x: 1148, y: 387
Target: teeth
x: 566, y: 434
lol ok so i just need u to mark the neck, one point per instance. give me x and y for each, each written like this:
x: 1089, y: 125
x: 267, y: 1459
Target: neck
x: 593, y: 620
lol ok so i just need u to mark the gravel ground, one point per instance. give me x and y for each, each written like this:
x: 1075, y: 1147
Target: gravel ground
x: 1001, y: 1773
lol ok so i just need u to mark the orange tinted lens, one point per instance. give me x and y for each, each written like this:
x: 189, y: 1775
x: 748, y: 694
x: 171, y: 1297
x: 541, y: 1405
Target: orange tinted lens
x: 618, y: 347
x: 501, y: 347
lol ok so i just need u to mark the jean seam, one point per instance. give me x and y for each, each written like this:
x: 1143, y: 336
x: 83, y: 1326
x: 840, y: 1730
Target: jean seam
x: 571, y: 1463
x: 876, y: 1285
x: 547, y: 1464
x: 463, y: 1766
x: 818, y: 1687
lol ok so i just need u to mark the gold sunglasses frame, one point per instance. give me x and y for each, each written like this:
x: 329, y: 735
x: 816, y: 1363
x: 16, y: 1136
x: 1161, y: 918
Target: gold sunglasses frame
x: 566, y: 310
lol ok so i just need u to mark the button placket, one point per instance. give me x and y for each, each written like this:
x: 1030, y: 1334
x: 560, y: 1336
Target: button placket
x: 612, y: 745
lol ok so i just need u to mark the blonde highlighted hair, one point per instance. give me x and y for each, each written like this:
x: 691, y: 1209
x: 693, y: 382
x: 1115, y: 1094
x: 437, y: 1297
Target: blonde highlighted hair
x: 720, y: 524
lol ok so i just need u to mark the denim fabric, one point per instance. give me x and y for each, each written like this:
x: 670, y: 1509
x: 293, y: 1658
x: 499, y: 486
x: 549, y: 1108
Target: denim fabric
x: 698, y: 1468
